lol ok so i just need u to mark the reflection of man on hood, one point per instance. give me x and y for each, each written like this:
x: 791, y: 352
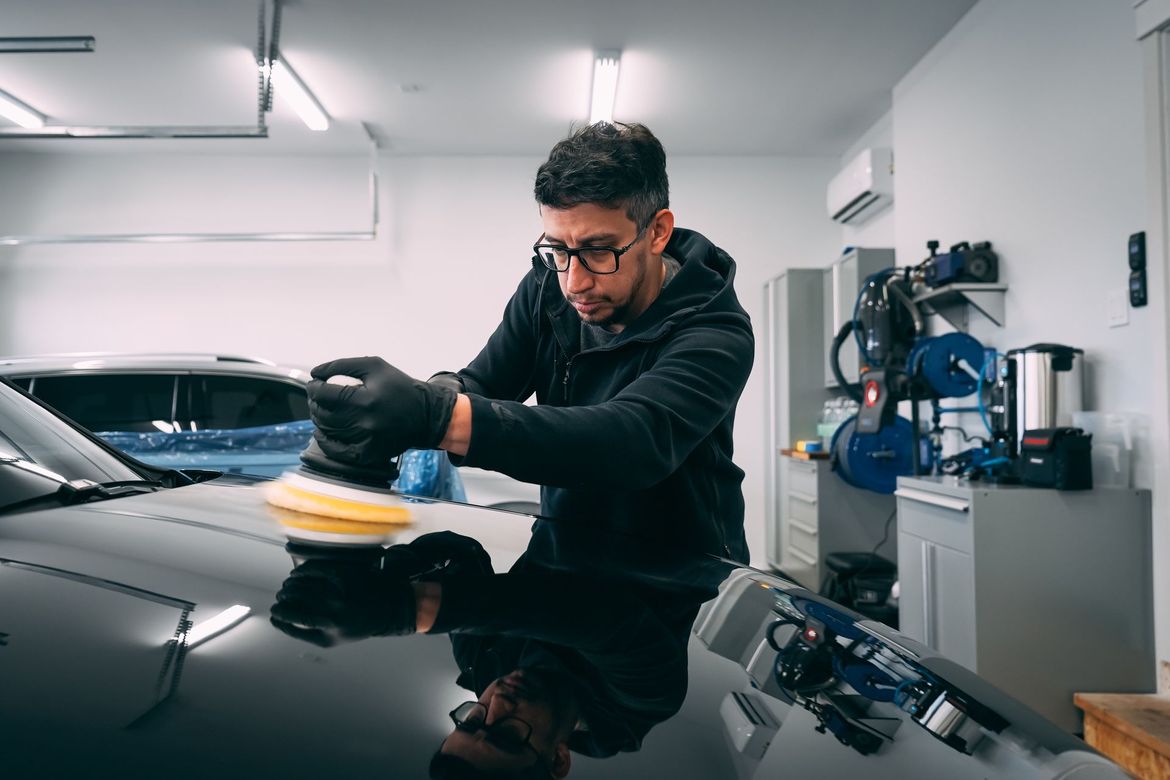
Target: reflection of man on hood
x: 606, y: 648
x: 566, y: 661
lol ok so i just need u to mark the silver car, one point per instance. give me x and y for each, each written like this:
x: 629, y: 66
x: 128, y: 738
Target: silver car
x: 205, y: 411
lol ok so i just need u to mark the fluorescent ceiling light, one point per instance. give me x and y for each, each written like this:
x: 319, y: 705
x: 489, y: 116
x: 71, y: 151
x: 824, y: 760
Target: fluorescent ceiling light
x: 292, y: 89
x: 215, y: 625
x: 21, y: 114
x: 72, y: 43
x: 605, y: 80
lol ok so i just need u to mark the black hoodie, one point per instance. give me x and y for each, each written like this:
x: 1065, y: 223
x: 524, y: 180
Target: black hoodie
x: 635, y: 435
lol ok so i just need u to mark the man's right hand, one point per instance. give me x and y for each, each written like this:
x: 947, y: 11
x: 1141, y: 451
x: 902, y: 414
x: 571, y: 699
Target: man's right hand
x: 389, y: 413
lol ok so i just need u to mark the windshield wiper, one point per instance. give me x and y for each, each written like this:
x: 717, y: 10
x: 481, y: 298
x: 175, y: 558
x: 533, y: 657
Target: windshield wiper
x: 80, y: 491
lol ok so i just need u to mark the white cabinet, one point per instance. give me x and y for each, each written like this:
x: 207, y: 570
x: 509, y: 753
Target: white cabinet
x: 1042, y: 592
x: 793, y: 390
x: 936, y: 605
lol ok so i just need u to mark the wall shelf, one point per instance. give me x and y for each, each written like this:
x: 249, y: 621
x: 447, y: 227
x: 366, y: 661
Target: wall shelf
x: 954, y: 302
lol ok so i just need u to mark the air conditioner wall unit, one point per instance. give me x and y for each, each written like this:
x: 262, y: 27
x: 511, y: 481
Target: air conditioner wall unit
x: 863, y: 187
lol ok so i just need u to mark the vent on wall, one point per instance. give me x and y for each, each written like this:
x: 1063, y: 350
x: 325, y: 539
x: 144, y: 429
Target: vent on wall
x: 863, y: 187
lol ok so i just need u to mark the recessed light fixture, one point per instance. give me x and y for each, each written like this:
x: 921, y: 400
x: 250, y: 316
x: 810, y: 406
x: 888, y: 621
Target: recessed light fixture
x: 606, y: 65
x: 289, y: 85
x: 20, y: 113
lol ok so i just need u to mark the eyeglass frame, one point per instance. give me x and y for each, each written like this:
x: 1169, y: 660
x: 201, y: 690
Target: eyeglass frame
x: 461, y: 725
x: 571, y: 251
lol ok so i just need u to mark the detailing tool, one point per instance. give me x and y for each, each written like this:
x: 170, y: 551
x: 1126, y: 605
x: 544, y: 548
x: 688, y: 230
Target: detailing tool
x: 343, y: 504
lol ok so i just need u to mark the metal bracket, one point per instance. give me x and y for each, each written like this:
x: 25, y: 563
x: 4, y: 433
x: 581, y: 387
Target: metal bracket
x: 953, y: 302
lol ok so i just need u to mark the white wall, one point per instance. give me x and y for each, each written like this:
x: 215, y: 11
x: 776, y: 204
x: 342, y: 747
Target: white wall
x: 1040, y: 150
x: 1024, y: 126
x: 769, y: 214
x: 451, y: 247
x: 877, y: 231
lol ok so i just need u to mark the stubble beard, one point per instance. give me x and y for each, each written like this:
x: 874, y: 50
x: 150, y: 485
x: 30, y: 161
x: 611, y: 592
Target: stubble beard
x: 618, y: 314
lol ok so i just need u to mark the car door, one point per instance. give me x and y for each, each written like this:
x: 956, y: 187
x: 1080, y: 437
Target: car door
x: 235, y: 416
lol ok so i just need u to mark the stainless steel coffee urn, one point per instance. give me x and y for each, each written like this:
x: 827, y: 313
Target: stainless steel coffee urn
x: 1049, y: 386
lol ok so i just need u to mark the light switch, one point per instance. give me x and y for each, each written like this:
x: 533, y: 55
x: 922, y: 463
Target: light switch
x: 1118, y: 314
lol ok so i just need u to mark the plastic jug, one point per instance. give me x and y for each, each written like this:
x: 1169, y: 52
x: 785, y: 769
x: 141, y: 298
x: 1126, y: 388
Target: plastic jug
x: 1119, y: 443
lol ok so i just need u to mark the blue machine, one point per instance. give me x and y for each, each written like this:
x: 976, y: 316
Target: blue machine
x: 951, y: 365
x: 874, y: 461
x: 874, y: 448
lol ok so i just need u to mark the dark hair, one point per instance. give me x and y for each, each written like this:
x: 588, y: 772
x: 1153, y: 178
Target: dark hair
x: 448, y: 767
x: 610, y: 164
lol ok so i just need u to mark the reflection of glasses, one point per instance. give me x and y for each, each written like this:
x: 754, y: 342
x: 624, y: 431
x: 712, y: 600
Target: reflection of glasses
x: 596, y: 259
x: 509, y: 734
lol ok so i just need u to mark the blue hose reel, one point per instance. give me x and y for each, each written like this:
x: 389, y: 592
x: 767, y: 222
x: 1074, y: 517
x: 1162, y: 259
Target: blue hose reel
x: 947, y: 366
x: 874, y: 461
x: 950, y: 364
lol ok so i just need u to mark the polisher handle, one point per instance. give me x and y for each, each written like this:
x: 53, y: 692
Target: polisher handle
x: 342, y: 379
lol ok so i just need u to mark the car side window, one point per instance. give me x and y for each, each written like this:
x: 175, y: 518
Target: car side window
x: 24, y: 383
x: 227, y: 402
x: 112, y: 402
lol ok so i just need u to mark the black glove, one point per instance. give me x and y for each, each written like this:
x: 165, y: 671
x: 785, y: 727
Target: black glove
x: 446, y: 553
x: 327, y: 601
x: 386, y: 415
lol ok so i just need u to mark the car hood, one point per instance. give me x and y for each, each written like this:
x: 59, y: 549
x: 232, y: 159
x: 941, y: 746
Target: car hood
x: 92, y: 595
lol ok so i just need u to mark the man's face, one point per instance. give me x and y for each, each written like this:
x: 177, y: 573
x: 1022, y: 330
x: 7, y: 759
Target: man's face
x: 525, y: 695
x: 614, y: 300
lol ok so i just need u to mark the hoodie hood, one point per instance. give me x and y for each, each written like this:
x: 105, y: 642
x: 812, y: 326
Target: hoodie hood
x: 703, y: 286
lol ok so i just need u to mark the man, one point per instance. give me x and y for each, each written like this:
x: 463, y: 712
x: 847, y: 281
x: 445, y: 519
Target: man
x: 630, y: 334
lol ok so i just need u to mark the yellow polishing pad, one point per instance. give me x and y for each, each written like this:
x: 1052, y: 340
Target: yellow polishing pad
x: 317, y: 530
x: 298, y: 499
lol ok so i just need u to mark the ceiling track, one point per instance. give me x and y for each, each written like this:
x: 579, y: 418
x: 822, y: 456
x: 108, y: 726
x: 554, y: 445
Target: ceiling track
x: 40, y: 44
x: 185, y: 238
x: 267, y: 50
x: 267, y: 40
x: 89, y: 132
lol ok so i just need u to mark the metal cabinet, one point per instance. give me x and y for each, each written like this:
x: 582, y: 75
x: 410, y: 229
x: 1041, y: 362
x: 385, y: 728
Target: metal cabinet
x: 809, y: 511
x: 936, y: 604
x: 793, y: 390
x: 1042, y: 592
x: 820, y: 514
x: 842, y: 283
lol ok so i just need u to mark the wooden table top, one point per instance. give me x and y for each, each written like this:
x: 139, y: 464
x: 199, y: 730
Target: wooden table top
x: 1145, y: 718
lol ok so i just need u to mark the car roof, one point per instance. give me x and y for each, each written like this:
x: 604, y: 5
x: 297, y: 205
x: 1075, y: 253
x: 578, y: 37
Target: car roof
x: 71, y: 362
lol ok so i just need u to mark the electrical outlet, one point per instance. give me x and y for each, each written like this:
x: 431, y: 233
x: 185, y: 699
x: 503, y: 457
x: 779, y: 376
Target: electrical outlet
x: 1118, y: 314
x: 1164, y: 677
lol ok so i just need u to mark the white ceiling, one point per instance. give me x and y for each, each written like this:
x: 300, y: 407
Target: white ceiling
x: 790, y: 77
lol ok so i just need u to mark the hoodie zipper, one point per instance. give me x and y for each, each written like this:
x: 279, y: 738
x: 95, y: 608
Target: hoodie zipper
x: 565, y: 380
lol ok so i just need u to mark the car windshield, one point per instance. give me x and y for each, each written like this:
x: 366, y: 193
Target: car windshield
x: 28, y: 432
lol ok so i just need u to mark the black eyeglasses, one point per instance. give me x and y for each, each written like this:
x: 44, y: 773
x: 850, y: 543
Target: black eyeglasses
x: 509, y: 734
x: 596, y: 259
